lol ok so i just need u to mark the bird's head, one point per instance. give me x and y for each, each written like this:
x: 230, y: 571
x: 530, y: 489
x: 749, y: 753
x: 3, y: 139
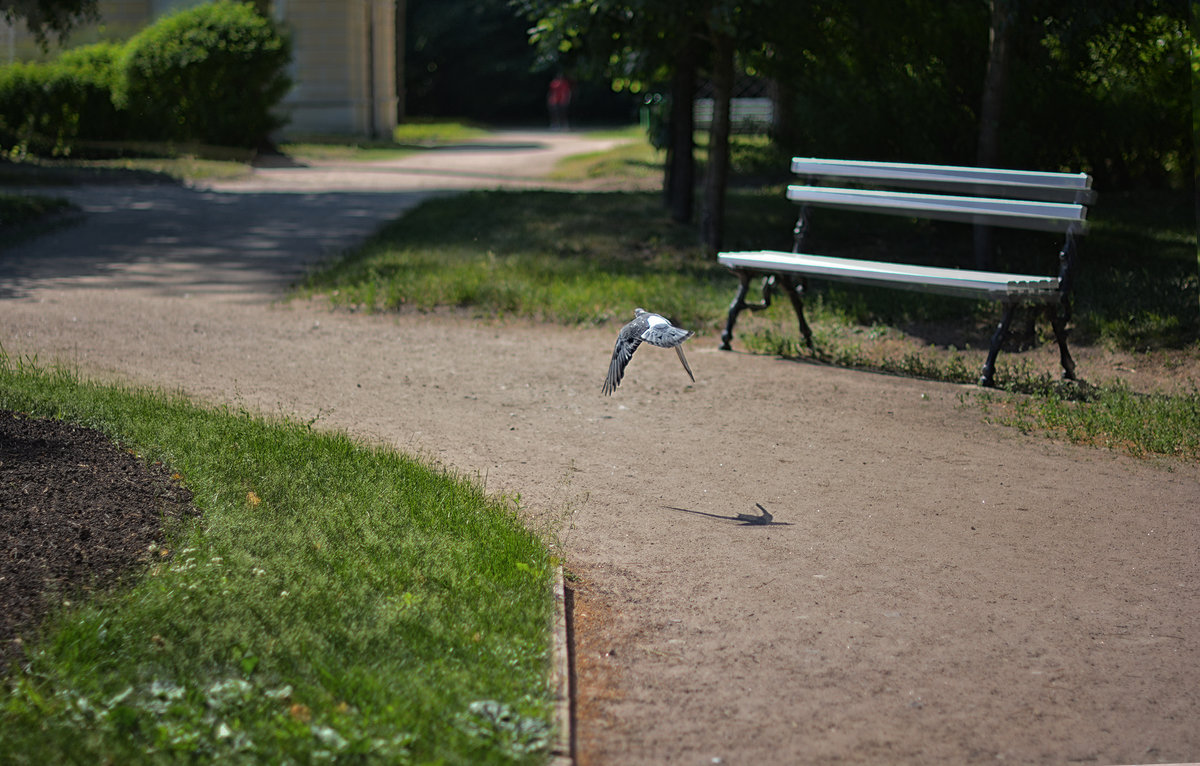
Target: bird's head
x: 638, y: 312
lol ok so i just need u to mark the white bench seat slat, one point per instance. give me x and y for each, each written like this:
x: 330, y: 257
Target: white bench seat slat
x: 959, y: 282
x: 1045, y: 216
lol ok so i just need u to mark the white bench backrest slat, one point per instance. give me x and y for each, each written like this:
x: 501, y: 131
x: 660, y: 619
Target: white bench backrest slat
x: 1046, y: 216
x: 1063, y: 187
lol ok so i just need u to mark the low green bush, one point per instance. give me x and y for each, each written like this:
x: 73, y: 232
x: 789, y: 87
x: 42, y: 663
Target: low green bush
x: 46, y: 107
x: 96, y: 69
x: 42, y: 106
x: 212, y: 74
x: 18, y: 96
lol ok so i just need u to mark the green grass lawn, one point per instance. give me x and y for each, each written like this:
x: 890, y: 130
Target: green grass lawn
x: 635, y: 161
x: 423, y: 132
x: 335, y: 603
x: 189, y: 163
x: 407, y: 138
x: 142, y: 160
x: 551, y: 255
x: 1112, y: 416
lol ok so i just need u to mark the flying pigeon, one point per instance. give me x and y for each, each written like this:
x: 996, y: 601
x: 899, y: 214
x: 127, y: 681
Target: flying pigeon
x: 644, y: 327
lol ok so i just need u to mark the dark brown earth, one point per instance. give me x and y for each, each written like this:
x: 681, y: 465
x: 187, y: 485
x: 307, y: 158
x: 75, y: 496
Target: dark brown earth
x: 77, y: 512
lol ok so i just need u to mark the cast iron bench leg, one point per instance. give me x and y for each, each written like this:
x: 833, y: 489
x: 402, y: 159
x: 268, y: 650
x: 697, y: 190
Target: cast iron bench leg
x: 795, y: 293
x: 1058, y: 320
x: 987, y: 377
x: 739, y: 303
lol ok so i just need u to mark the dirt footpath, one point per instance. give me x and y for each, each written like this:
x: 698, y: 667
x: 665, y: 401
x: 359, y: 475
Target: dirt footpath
x: 932, y: 588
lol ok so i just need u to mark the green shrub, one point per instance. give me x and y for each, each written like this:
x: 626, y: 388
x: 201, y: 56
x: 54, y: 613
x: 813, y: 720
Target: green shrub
x: 20, y: 96
x: 211, y: 74
x: 46, y: 107
x: 96, y: 69
x: 40, y: 107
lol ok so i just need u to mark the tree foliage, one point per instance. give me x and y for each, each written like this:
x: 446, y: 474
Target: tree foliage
x: 1094, y: 85
x: 636, y: 43
x: 470, y: 59
x: 1091, y: 85
x: 46, y: 17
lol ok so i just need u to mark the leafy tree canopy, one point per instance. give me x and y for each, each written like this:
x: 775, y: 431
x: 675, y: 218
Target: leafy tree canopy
x: 46, y: 17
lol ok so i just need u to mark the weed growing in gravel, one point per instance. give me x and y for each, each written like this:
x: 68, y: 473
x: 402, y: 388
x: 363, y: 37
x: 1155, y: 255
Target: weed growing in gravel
x: 334, y: 602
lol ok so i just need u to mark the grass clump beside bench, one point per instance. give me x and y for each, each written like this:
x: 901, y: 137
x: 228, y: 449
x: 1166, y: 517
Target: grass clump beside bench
x: 334, y: 602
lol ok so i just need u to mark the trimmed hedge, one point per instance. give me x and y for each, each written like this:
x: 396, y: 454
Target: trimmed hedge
x: 211, y: 74
x: 95, y: 68
x: 45, y: 108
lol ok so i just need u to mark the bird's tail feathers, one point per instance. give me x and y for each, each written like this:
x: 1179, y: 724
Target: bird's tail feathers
x: 682, y: 358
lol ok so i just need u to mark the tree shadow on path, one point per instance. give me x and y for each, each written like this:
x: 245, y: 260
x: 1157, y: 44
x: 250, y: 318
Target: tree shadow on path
x: 174, y: 240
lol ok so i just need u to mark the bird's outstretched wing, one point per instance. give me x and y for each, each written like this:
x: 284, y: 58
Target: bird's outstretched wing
x: 627, y: 343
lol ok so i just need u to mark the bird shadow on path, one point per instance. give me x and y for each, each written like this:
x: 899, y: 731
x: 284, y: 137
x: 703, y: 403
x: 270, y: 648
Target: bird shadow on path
x: 743, y: 519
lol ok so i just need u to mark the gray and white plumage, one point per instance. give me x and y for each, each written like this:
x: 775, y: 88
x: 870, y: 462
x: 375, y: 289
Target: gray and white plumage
x: 653, y: 329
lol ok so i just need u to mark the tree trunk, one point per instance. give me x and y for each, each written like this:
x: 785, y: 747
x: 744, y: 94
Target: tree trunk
x: 712, y: 223
x: 782, y: 123
x: 995, y: 82
x: 680, y: 180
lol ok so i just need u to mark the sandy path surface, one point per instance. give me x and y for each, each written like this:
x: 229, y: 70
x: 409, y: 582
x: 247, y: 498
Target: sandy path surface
x: 933, y: 588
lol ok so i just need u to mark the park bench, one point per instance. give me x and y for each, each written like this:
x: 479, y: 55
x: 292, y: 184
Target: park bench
x: 1055, y: 202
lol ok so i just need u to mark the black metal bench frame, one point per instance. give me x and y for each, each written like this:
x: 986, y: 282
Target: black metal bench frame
x: 983, y: 196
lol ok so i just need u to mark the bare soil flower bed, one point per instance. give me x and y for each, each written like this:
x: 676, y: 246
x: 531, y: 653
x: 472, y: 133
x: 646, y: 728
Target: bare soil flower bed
x: 77, y: 512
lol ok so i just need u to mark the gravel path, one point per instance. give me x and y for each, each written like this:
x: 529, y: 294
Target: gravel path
x: 933, y: 588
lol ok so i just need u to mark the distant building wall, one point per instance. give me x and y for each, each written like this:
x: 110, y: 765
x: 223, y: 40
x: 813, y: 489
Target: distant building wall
x: 343, y: 57
x: 343, y: 66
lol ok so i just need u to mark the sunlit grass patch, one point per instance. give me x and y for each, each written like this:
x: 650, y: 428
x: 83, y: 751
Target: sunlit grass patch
x: 1109, y: 416
x: 181, y: 168
x: 335, y: 601
x: 78, y: 170
x: 343, y: 151
x: 632, y: 161
x: 436, y: 132
x: 548, y: 255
